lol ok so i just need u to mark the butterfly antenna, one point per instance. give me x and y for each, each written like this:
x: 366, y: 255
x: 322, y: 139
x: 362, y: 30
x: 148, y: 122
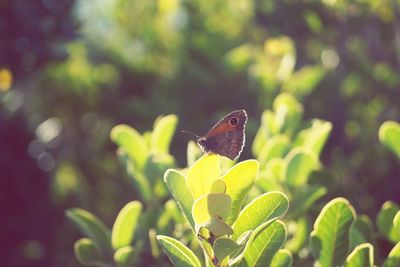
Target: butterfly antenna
x: 195, y: 135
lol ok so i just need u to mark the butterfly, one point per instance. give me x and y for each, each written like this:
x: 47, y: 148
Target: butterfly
x: 226, y: 137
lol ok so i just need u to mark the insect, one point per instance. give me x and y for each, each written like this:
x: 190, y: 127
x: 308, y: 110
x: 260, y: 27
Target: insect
x: 226, y: 137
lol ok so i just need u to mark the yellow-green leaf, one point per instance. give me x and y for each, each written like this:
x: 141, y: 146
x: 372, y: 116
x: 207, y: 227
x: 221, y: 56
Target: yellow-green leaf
x: 211, y: 205
x: 202, y: 175
x: 239, y: 179
x: 131, y: 142
x: 125, y: 225
x: 181, y: 193
x: 361, y: 256
x: 389, y: 135
x: 162, y: 134
x: 178, y: 253
x: 329, y: 241
x: 263, y: 208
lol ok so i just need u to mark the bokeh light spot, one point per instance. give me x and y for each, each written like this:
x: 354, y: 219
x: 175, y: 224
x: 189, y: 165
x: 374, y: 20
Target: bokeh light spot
x: 49, y: 130
x: 330, y: 58
x: 6, y: 79
x: 35, y: 148
x: 46, y: 161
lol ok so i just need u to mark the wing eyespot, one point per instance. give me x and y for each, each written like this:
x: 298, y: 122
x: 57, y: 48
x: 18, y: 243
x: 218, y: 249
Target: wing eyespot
x: 233, y: 121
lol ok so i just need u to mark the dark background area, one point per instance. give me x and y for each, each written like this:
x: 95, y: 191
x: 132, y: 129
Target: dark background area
x: 81, y: 67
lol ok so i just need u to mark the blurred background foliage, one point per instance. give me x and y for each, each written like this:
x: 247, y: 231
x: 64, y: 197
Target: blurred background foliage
x: 70, y: 70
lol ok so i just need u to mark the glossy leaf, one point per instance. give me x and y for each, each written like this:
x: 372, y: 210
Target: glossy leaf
x: 162, y: 134
x: 178, y: 253
x: 283, y: 258
x: 239, y: 179
x: 264, y: 245
x: 361, y: 256
x: 202, y: 175
x: 125, y: 225
x: 131, y: 142
x: 181, y: 193
x: 93, y: 228
x: 329, y: 240
x: 264, y: 208
x: 385, y: 221
x: 86, y: 252
x: 389, y: 135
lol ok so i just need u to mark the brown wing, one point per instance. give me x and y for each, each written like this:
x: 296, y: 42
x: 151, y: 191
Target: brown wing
x: 226, y: 138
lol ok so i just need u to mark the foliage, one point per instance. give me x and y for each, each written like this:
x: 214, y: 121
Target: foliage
x: 71, y: 70
x: 212, y: 203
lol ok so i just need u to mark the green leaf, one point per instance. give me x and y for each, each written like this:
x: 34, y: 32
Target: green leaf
x: 264, y: 132
x: 396, y: 222
x: 385, y: 221
x: 180, y: 192
x: 361, y: 231
x: 202, y: 175
x: 178, y: 253
x: 288, y: 112
x: 361, y: 256
x: 125, y: 225
x: 329, y: 240
x: 193, y: 153
x: 131, y: 142
x: 393, y: 259
x: 299, y: 164
x: 93, y: 228
x: 274, y: 168
x: 169, y: 216
x: 140, y: 182
x: 304, y: 198
x: 211, y: 205
x: 155, y: 167
x: 275, y: 147
x: 315, y: 137
x: 264, y: 245
x: 86, y: 252
x: 223, y: 247
x: 389, y: 135
x: 304, y: 80
x: 162, y: 134
x: 299, y: 231
x: 216, y: 226
x: 125, y: 256
x: 264, y: 208
x: 283, y: 258
x: 218, y: 186
x: 239, y: 179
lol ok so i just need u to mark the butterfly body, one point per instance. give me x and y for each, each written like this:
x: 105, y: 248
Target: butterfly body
x: 227, y: 137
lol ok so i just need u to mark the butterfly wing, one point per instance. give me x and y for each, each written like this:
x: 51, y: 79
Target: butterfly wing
x: 227, y: 137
